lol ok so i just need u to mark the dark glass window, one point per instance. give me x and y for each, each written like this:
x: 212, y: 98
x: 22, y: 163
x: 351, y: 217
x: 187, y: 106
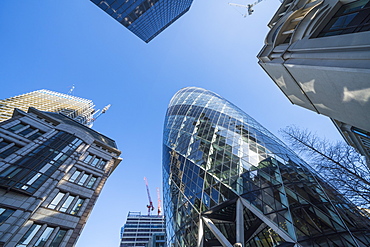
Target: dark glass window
x: 350, y: 18
x: 31, y: 171
x: 58, y: 238
x: 5, y: 213
x: 44, y: 237
x: 17, y: 127
x: 26, y: 131
x: 26, y: 239
x: 9, y: 151
x: 35, y: 135
x: 4, y: 143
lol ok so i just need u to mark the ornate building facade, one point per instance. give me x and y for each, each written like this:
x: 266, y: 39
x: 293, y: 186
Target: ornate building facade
x: 318, y: 53
x: 227, y: 180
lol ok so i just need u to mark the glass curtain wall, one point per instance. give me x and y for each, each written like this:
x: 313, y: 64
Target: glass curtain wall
x: 228, y: 180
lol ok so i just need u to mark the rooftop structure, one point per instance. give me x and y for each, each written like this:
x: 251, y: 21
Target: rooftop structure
x: 74, y: 107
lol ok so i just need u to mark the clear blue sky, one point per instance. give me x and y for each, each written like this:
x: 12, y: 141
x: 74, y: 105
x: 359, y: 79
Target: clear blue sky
x: 55, y: 44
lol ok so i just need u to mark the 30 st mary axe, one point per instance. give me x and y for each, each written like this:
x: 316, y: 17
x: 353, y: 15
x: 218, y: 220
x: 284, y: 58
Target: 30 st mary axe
x: 229, y: 180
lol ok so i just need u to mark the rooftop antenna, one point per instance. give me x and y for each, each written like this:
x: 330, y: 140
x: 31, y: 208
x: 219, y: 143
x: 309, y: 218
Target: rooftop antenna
x: 247, y: 6
x: 150, y: 205
x: 71, y: 90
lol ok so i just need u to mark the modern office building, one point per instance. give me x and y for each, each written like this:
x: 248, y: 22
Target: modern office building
x: 52, y: 170
x: 79, y: 109
x: 145, y: 18
x: 227, y: 180
x: 143, y: 230
x: 318, y: 53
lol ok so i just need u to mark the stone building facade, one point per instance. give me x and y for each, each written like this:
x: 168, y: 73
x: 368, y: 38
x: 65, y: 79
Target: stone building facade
x: 52, y: 170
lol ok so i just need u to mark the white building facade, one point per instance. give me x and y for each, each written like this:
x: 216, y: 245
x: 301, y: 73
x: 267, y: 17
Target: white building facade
x: 318, y: 53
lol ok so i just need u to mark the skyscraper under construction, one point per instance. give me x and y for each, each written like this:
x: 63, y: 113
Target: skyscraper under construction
x: 77, y: 108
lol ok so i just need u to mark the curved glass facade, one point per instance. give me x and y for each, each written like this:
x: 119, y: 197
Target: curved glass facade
x: 229, y: 180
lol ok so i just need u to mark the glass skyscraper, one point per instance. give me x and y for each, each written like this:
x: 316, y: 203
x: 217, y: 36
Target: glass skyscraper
x: 145, y: 18
x: 228, y: 180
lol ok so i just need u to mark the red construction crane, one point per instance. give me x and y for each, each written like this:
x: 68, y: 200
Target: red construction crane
x: 159, y: 202
x: 150, y: 206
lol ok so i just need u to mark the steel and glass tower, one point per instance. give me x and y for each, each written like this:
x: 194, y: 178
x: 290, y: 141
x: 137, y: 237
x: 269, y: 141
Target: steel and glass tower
x: 228, y: 180
x: 145, y: 18
x: 79, y: 109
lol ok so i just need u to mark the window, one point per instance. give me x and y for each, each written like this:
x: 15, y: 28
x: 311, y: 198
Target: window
x: 102, y: 164
x: 350, y: 18
x: 95, y: 161
x: 58, y: 238
x: 56, y: 200
x: 66, y: 204
x: 88, y: 158
x: 17, y: 127
x: 26, y: 239
x: 83, y: 179
x: 7, y: 148
x: 26, y: 131
x: 5, y: 213
x: 74, y: 176
x: 68, y: 201
x: 35, y: 135
x: 91, y: 182
x: 44, y: 236
x: 77, y: 206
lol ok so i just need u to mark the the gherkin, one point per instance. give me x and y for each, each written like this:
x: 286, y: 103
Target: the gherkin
x: 228, y: 180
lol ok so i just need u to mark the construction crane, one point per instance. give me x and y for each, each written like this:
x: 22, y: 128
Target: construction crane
x: 150, y: 205
x: 159, y: 202
x: 71, y: 90
x: 248, y: 7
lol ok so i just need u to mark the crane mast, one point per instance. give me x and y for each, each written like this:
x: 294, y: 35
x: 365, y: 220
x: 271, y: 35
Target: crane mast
x: 150, y: 205
x: 159, y: 202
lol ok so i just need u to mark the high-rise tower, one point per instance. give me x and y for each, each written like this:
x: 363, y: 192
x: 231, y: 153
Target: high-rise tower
x: 145, y: 18
x: 228, y: 180
x: 52, y: 170
x: 143, y: 230
x: 74, y: 107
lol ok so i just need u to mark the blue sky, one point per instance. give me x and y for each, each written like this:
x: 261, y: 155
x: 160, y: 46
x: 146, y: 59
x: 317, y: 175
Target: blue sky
x: 56, y: 44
